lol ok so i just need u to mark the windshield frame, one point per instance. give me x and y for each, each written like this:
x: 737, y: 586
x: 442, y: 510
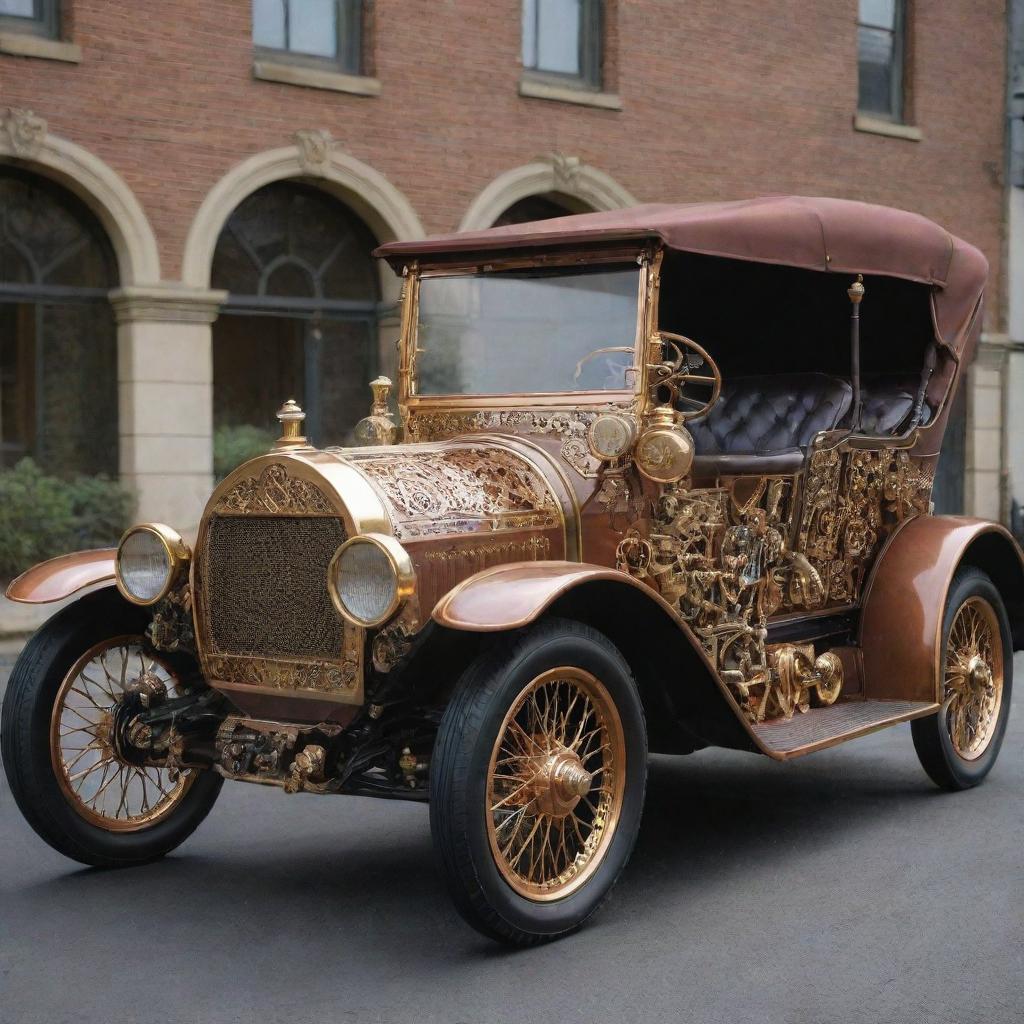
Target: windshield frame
x: 409, y: 345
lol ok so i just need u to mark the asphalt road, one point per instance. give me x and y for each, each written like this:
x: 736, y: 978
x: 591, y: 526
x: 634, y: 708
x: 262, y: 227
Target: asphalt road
x: 842, y: 888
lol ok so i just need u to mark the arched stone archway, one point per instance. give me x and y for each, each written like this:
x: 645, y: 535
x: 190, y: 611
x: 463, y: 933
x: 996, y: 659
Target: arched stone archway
x: 566, y: 177
x: 26, y: 142
x: 314, y: 157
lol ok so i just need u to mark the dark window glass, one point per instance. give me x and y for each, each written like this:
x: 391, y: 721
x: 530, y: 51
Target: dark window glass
x: 310, y: 31
x: 301, y: 316
x: 532, y: 208
x: 881, y: 32
x: 40, y: 17
x: 58, y: 344
x: 562, y: 38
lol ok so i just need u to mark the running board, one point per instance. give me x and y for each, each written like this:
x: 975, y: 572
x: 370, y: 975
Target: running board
x: 824, y: 727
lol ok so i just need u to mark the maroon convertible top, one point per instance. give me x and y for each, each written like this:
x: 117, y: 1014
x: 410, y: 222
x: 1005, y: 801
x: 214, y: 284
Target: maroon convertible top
x: 812, y: 233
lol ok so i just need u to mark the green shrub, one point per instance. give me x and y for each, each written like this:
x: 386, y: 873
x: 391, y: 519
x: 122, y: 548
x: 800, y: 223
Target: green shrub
x: 234, y: 445
x: 42, y: 516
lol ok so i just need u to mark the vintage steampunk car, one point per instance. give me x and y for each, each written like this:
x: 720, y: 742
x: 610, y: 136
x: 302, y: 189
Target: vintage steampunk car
x: 660, y: 480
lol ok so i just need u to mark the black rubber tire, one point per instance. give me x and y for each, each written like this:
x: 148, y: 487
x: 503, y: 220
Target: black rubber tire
x: 25, y: 741
x: 458, y: 779
x: 931, y: 736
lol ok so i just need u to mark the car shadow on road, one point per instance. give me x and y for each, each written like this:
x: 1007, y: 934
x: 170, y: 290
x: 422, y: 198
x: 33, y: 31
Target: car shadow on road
x: 370, y: 873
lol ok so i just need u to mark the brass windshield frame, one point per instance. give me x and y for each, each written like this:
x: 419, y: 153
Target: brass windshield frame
x: 648, y: 263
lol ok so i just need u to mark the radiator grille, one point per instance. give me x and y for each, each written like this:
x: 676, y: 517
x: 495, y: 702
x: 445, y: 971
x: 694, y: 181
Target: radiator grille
x: 264, y: 580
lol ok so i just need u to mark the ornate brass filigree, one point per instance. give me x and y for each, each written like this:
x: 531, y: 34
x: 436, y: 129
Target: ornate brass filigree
x: 854, y: 498
x: 726, y: 559
x: 274, y: 492
x: 570, y: 424
x: 443, y: 491
x: 172, y: 627
x: 327, y: 677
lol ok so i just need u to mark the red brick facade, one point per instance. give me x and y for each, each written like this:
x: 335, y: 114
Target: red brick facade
x: 720, y: 99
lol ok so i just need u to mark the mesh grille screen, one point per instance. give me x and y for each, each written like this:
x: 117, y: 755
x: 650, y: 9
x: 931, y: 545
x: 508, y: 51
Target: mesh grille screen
x: 265, y: 580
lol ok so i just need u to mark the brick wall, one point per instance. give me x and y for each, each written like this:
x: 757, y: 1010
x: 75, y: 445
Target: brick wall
x: 721, y: 99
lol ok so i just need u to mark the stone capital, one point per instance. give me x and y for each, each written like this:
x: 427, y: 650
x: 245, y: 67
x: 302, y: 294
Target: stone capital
x: 167, y: 304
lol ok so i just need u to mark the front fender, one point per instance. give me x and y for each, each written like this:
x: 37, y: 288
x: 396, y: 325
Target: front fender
x: 901, y: 621
x: 60, y: 577
x: 661, y: 648
x: 515, y: 594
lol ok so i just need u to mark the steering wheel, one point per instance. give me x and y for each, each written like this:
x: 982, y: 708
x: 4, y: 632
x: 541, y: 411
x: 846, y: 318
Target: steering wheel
x: 676, y: 373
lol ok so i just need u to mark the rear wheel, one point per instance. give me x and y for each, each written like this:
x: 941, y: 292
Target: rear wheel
x: 958, y: 746
x: 58, y: 744
x: 537, y: 782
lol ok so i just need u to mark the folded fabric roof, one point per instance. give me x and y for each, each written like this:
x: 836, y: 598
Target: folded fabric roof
x: 830, y: 235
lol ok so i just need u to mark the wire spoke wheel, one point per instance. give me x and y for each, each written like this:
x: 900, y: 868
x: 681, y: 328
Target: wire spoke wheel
x: 555, y: 784
x: 100, y: 786
x: 973, y: 678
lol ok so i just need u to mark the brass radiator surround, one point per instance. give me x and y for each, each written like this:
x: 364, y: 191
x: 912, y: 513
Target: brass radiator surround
x: 264, y: 621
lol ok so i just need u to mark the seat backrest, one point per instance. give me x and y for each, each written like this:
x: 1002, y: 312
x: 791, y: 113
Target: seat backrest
x: 771, y: 413
x: 886, y: 402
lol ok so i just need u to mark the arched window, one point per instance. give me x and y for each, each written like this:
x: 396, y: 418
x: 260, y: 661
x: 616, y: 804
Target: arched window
x: 300, y: 319
x: 540, y: 207
x: 58, y: 342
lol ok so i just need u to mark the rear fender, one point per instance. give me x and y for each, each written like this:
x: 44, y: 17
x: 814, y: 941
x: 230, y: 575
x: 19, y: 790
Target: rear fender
x: 63, y: 576
x: 901, y: 621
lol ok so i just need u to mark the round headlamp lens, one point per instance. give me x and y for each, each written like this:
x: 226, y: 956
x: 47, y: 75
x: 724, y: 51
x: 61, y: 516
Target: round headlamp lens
x: 144, y: 566
x: 365, y: 582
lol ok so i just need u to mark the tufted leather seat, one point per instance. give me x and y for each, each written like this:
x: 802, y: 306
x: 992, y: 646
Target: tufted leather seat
x: 886, y: 403
x: 764, y: 424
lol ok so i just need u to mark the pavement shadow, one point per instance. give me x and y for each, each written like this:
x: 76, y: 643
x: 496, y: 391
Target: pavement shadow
x: 705, y: 815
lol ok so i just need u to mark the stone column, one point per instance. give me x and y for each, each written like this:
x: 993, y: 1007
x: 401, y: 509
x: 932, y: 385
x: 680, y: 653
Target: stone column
x: 165, y: 389
x: 985, y: 470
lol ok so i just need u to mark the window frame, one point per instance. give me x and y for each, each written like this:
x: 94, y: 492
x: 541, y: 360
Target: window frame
x: 349, y: 42
x: 45, y: 22
x: 897, y: 74
x: 591, y: 50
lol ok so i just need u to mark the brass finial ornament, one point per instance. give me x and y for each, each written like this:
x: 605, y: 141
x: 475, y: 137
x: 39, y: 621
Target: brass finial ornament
x: 291, y: 417
x: 379, y: 427
x: 856, y: 290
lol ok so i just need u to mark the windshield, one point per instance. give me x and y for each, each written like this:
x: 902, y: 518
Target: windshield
x: 527, y: 331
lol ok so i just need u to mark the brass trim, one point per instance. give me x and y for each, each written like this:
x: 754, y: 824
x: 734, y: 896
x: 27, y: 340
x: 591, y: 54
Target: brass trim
x: 401, y: 566
x: 572, y: 514
x: 550, y: 766
x: 409, y: 400
x: 972, y: 678
x: 100, y: 731
x: 178, y: 557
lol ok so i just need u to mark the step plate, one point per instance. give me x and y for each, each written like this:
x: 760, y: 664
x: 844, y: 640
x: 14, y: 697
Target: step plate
x: 823, y: 727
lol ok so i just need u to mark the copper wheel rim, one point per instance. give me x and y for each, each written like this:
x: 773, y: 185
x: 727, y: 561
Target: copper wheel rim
x: 100, y: 787
x: 555, y: 784
x: 973, y: 678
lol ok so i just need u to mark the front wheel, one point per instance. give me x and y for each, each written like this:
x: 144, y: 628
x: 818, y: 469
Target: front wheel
x: 537, y: 782
x: 958, y: 746
x: 58, y: 740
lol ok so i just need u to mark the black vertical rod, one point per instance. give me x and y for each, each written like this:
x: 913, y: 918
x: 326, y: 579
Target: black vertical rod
x: 856, y: 293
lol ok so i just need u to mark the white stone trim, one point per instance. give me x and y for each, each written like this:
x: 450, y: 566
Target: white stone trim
x: 566, y: 175
x: 539, y: 90
x: 879, y: 126
x: 25, y: 44
x: 167, y: 304
x: 314, y: 155
x: 315, y: 78
x: 26, y: 142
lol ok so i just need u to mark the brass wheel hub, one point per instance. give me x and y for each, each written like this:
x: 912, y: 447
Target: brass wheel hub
x: 100, y: 786
x: 560, y: 783
x: 973, y: 678
x: 555, y: 784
